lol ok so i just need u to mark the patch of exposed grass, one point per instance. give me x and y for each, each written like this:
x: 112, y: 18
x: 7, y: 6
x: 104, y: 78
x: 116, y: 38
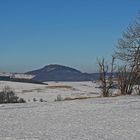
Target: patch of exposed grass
x: 60, y: 86
x: 32, y: 90
x: 87, y: 97
x: 48, y: 87
x: 79, y: 98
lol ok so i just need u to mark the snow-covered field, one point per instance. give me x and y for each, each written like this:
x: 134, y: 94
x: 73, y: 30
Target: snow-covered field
x: 52, y: 90
x: 114, y: 118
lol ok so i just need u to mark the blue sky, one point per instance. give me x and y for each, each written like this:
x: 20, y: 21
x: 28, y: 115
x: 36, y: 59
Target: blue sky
x: 35, y: 33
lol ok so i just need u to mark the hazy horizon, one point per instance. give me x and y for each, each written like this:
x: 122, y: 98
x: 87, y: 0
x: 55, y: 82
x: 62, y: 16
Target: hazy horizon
x: 71, y: 33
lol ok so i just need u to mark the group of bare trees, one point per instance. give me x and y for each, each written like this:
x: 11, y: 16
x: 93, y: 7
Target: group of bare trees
x: 128, y: 52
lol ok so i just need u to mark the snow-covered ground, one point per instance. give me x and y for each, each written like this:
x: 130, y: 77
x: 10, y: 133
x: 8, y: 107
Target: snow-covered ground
x: 52, y: 90
x: 114, y: 118
x: 17, y: 75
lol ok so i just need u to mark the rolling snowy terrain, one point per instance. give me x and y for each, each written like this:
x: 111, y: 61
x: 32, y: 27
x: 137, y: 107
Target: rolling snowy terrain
x: 114, y: 118
x: 52, y: 90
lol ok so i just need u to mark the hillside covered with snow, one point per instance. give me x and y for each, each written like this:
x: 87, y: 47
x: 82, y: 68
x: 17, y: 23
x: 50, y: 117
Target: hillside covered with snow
x: 113, y: 118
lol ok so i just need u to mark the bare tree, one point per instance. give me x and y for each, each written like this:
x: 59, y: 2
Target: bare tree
x: 106, y: 76
x: 128, y: 51
x: 128, y: 48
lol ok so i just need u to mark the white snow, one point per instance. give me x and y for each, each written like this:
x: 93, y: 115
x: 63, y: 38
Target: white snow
x: 48, y: 93
x: 17, y: 75
x: 22, y: 76
x: 114, y: 118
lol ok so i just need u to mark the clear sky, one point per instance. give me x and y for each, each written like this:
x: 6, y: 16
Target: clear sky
x: 35, y: 33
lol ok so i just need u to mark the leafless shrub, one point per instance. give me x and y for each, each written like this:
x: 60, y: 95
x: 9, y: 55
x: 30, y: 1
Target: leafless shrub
x: 106, y: 76
x: 59, y: 98
x: 34, y: 99
x: 8, y: 96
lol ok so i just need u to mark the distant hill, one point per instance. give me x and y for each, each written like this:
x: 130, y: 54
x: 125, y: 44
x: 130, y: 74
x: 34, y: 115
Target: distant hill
x: 61, y: 73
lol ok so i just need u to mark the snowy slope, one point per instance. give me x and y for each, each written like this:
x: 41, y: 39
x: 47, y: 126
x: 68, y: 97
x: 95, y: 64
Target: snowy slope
x: 114, y: 118
x: 92, y: 119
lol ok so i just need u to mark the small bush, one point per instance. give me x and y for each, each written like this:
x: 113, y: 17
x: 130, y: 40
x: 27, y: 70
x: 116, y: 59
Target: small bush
x: 59, y: 98
x: 34, y: 99
x: 41, y: 100
x: 21, y: 100
x: 8, y: 96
